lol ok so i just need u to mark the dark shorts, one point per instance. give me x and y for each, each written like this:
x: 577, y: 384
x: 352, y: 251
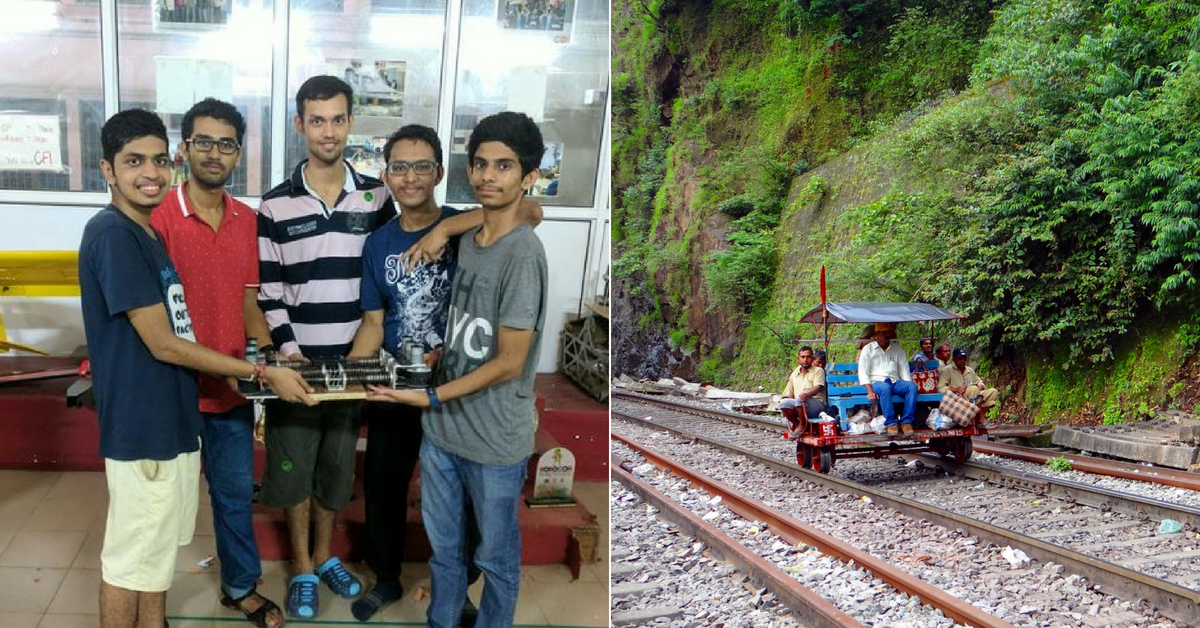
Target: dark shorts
x: 812, y: 406
x: 310, y: 453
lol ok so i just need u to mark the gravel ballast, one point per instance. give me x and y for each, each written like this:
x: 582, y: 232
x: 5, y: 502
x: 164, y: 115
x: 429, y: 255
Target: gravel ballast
x: 1029, y: 594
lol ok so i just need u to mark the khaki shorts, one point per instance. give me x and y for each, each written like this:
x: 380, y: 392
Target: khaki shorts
x: 151, y: 512
x: 989, y: 396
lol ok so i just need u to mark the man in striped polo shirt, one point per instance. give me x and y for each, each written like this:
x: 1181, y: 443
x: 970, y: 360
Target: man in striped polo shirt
x: 311, y: 230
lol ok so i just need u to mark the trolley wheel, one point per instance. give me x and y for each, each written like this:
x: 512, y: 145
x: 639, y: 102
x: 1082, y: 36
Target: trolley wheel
x: 824, y: 462
x: 962, y: 449
x: 804, y: 455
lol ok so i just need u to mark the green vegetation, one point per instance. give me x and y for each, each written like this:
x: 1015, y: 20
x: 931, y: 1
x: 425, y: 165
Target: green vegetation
x: 1059, y: 464
x: 1032, y: 164
x: 1122, y: 391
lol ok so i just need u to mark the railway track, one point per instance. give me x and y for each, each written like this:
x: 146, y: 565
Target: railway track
x: 1106, y: 537
x: 832, y: 584
x: 682, y: 570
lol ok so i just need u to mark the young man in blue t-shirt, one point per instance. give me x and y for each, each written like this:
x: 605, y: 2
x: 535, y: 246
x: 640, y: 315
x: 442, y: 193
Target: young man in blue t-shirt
x: 144, y: 358
x: 401, y: 303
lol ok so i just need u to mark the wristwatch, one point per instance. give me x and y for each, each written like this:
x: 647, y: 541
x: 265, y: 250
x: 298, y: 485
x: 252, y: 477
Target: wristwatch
x: 434, y: 402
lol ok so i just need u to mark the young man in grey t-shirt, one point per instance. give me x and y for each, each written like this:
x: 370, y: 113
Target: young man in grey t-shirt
x: 480, y: 423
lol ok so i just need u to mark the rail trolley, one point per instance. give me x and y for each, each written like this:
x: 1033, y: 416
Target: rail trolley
x: 822, y: 443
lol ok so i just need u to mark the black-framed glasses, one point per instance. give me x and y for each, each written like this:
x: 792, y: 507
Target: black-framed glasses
x: 401, y: 168
x: 225, y: 145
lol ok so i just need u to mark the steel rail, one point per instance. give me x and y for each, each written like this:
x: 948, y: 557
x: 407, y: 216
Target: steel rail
x: 739, y: 417
x: 1141, y: 508
x: 813, y: 609
x: 1158, y: 475
x: 1173, y: 601
x: 999, y: 431
x: 1099, y: 466
x: 794, y: 531
x: 1071, y: 492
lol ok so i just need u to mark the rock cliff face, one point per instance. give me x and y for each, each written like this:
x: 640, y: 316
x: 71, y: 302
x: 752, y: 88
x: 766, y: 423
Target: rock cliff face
x: 725, y: 100
x: 677, y: 86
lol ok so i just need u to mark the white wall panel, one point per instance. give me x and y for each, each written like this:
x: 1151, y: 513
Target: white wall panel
x: 566, y: 244
x: 43, y: 228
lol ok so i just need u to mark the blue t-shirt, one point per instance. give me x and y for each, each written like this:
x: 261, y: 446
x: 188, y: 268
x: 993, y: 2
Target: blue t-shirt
x: 148, y: 409
x: 415, y: 303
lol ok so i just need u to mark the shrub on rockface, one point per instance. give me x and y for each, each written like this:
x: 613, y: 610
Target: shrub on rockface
x: 899, y: 246
x: 738, y: 206
x: 1082, y: 228
x: 742, y: 275
x: 927, y: 54
x: 1064, y: 210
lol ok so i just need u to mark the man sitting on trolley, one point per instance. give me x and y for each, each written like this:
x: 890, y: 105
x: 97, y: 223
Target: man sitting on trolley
x: 805, y: 392
x: 959, y: 379
x: 883, y: 369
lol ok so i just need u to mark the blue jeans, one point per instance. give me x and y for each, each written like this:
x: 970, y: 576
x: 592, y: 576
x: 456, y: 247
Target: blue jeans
x: 228, y: 455
x: 448, y: 483
x: 886, y: 389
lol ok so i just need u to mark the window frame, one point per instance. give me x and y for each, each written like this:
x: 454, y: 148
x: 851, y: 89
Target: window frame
x: 280, y: 125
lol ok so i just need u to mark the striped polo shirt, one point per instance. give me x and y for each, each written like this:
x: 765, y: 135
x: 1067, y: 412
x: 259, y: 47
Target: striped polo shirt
x: 310, y: 261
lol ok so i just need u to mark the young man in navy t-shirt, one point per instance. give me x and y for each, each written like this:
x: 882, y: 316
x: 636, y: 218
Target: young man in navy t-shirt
x: 144, y: 357
x: 401, y: 303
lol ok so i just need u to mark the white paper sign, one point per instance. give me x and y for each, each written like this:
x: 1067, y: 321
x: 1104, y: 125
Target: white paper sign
x: 527, y: 91
x: 30, y: 142
x: 181, y: 82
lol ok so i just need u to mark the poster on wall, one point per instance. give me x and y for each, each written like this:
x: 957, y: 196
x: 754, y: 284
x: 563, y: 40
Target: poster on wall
x: 378, y: 85
x: 30, y: 142
x: 464, y: 123
x: 365, y: 154
x: 550, y: 17
x: 549, y: 172
x: 192, y: 12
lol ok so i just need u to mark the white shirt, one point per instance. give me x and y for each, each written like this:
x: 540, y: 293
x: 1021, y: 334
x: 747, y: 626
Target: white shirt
x: 875, y: 364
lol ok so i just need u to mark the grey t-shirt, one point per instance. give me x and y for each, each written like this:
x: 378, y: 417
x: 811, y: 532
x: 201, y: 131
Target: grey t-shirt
x: 502, y: 285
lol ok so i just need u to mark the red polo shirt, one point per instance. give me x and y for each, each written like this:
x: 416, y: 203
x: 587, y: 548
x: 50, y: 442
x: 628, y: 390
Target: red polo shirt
x: 216, y: 267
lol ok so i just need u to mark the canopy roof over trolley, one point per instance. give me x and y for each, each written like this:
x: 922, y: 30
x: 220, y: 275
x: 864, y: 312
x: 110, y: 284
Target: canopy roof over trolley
x: 840, y: 313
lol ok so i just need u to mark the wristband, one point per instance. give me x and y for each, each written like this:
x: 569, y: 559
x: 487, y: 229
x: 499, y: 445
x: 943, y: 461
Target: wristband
x: 259, y: 370
x: 434, y: 402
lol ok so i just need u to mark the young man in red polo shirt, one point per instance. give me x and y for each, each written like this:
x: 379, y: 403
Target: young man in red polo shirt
x: 213, y: 241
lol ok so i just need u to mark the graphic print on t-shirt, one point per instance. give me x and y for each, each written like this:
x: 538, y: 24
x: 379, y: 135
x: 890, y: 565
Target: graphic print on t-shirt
x: 470, y: 337
x: 420, y: 298
x: 181, y: 320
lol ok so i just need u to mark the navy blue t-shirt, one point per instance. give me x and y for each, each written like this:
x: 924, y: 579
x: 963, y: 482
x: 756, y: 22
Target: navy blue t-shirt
x: 415, y: 303
x: 148, y: 409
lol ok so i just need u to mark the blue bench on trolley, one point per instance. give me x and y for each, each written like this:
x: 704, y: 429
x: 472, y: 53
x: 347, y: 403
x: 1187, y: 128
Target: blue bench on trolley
x: 841, y: 380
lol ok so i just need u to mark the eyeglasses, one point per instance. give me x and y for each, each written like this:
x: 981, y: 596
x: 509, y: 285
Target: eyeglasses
x: 225, y: 146
x: 400, y: 168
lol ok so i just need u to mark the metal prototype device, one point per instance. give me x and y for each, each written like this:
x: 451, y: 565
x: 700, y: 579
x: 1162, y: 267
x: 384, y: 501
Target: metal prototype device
x: 342, y: 378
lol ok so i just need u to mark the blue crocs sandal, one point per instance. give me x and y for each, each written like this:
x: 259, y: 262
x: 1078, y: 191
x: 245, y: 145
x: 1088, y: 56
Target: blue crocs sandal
x: 302, y: 601
x: 334, y: 574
